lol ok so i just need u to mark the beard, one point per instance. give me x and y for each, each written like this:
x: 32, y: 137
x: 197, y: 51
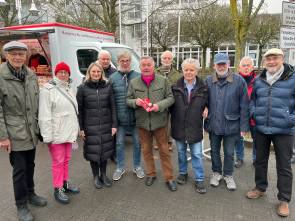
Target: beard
x: 221, y: 73
x: 273, y: 70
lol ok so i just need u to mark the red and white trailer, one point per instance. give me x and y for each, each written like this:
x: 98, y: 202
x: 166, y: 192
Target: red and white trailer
x: 50, y: 43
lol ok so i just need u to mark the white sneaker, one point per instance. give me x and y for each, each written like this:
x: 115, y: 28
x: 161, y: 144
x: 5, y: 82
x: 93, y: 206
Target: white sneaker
x: 139, y: 172
x: 230, y: 183
x: 215, y: 179
x: 118, y: 174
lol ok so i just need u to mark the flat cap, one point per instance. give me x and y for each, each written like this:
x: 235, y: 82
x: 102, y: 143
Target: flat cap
x: 15, y: 45
x: 274, y: 51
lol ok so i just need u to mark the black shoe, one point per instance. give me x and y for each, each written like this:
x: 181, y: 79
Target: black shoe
x: 171, y: 184
x: 60, y: 196
x: 181, y: 179
x: 97, y: 183
x: 24, y: 213
x: 150, y: 180
x: 36, y: 200
x: 200, y: 187
x: 70, y: 188
x: 239, y: 163
x: 105, y: 180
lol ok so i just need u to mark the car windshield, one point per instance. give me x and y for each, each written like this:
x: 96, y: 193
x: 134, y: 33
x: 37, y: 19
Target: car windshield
x: 116, y: 51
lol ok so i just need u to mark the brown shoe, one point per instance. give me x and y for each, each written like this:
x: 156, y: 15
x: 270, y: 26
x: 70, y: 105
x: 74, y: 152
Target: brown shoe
x: 254, y: 194
x: 283, y: 209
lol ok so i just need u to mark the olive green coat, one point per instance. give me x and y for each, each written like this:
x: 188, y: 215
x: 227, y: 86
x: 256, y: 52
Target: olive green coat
x: 19, y: 109
x: 172, y: 76
x: 159, y: 93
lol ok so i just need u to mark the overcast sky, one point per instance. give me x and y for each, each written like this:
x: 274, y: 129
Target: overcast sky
x: 271, y: 6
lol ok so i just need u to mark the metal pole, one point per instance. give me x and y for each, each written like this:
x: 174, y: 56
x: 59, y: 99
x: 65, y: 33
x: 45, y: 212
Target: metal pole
x: 18, y: 6
x: 120, y: 23
x: 147, y: 28
x: 178, y: 35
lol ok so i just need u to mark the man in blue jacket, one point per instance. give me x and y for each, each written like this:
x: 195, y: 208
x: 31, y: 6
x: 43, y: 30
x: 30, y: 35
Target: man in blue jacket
x: 273, y: 108
x: 125, y: 115
x: 228, y: 118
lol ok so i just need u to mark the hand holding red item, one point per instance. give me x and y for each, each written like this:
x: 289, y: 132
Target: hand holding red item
x: 146, y: 104
x: 154, y: 108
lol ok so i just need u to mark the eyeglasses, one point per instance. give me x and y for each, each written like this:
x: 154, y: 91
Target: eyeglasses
x: 273, y: 58
x: 124, y: 61
x: 20, y: 54
x: 246, y: 65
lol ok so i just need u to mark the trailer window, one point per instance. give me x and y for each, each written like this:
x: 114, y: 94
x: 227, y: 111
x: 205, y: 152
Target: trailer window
x: 85, y: 58
x: 116, y: 51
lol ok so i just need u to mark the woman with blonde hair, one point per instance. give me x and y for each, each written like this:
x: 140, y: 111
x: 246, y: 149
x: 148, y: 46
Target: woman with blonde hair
x: 98, y: 122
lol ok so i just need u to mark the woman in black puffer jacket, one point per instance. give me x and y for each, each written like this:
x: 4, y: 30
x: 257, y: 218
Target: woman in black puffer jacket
x: 98, y: 122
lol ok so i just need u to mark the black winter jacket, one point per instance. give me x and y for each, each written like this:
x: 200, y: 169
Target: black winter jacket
x: 186, y: 116
x: 97, y: 117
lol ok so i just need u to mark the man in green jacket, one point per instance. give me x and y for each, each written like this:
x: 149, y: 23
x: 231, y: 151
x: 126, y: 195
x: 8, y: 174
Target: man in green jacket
x: 166, y: 69
x: 150, y: 95
x: 19, y: 98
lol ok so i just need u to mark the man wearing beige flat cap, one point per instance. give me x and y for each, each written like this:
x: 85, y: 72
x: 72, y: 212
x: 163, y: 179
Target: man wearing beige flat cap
x: 19, y: 99
x: 273, y: 108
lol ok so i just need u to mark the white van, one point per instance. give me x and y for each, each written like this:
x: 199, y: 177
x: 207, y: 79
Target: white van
x: 50, y: 43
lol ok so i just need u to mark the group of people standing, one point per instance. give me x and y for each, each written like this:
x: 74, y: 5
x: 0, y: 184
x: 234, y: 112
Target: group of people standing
x: 157, y: 106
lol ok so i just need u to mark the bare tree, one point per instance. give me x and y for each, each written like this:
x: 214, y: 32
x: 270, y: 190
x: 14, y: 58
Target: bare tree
x: 208, y: 28
x: 242, y: 17
x: 264, y: 29
x: 164, y: 30
x: 8, y: 13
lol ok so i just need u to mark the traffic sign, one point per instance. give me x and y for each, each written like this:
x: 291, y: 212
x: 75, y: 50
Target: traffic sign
x: 287, y: 37
x: 288, y: 14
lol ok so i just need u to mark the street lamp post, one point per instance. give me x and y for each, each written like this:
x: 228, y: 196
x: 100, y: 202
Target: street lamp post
x: 178, y: 35
x: 147, y: 28
x: 120, y: 22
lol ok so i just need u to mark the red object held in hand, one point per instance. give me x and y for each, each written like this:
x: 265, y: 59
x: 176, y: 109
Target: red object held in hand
x: 146, y: 104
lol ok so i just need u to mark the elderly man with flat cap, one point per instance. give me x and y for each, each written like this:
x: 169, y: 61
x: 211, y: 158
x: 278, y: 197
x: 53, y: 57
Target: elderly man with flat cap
x: 273, y: 108
x: 19, y: 98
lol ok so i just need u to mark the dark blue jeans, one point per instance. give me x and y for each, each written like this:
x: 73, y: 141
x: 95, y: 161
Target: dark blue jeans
x: 120, y: 146
x: 197, y: 159
x: 229, y: 143
x: 240, y: 145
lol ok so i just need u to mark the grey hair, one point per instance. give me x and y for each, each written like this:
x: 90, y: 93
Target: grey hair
x: 247, y: 58
x: 193, y: 61
x: 104, y: 52
x: 147, y: 58
x: 87, y: 77
x: 169, y: 52
x: 124, y: 54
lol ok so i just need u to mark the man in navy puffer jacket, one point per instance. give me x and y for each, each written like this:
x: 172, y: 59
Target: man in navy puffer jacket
x: 272, y: 106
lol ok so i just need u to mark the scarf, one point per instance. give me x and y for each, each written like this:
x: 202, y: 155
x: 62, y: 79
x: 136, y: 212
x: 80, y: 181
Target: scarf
x: 272, y: 78
x: 147, y: 79
x: 19, y: 74
x: 165, y: 69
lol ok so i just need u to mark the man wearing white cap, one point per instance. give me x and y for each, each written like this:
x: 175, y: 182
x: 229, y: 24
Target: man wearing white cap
x: 273, y: 108
x: 19, y: 98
